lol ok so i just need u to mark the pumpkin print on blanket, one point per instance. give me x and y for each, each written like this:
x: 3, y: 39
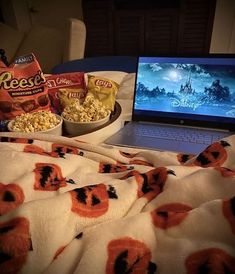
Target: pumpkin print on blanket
x: 48, y: 177
x: 15, y: 244
x: 127, y: 255
x: 151, y: 183
x: 16, y: 140
x: 113, y: 168
x: 35, y: 149
x: 209, y: 261
x: 214, y: 155
x: 60, y: 150
x: 57, y: 150
x: 183, y: 158
x: 92, y: 201
x: 11, y: 196
x: 169, y: 215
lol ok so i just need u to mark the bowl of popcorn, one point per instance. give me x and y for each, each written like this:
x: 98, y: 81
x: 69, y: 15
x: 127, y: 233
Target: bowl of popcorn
x: 40, y: 122
x: 86, y: 117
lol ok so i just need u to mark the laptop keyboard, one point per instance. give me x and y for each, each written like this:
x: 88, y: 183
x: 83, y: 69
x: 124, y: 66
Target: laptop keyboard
x: 179, y: 134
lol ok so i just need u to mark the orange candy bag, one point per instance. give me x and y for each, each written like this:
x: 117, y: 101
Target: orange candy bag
x: 65, y: 87
x: 22, y: 88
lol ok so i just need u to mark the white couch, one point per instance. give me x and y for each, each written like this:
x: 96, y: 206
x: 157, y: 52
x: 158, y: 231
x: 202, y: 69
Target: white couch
x: 50, y: 46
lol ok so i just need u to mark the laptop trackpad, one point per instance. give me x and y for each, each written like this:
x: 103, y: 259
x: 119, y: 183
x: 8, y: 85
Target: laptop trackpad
x: 170, y: 145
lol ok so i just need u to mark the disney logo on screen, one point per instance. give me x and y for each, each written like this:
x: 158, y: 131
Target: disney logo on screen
x: 185, y: 103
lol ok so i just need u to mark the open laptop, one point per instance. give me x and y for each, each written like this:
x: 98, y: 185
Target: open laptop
x: 181, y: 104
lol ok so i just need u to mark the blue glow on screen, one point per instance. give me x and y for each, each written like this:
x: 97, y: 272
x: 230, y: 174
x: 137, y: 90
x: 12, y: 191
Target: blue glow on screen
x: 200, y: 86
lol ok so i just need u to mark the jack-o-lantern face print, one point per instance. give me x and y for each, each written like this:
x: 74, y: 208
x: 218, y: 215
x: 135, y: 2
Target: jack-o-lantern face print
x: 127, y: 255
x: 228, y: 208
x: 16, y: 140
x: 15, y: 244
x: 133, y: 173
x: 210, y: 261
x: 60, y: 151
x: 92, y: 201
x: 144, y: 186
x: 35, y: 149
x: 214, y: 155
x: 57, y: 150
x: 11, y: 196
x: 183, y: 158
x: 112, y: 168
x: 48, y: 177
x: 169, y: 215
x: 151, y: 183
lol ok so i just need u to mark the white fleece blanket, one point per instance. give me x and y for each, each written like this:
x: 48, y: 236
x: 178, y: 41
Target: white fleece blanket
x: 72, y: 207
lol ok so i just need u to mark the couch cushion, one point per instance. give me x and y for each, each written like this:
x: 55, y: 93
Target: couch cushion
x: 10, y: 40
x: 46, y: 44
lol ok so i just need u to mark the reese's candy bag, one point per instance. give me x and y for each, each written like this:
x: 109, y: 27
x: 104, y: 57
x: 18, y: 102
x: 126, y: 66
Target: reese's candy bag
x: 103, y: 89
x: 57, y: 82
x: 22, y: 88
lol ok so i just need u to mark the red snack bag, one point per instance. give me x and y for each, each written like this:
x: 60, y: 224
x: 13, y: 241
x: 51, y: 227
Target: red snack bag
x: 73, y: 80
x: 22, y: 88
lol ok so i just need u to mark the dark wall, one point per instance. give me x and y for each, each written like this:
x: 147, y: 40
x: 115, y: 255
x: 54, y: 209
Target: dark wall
x: 134, y: 27
x: 1, y: 17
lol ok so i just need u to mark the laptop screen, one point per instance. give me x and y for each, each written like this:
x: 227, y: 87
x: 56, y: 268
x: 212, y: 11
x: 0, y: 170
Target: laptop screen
x: 186, y: 90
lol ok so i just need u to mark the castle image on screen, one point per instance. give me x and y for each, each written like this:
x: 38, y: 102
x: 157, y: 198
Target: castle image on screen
x: 203, y: 89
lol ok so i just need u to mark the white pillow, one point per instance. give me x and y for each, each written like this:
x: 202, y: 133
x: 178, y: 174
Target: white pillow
x: 126, y: 89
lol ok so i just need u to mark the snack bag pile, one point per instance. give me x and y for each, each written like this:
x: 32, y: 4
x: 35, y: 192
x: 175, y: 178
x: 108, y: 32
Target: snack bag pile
x: 65, y: 88
x: 23, y: 88
x: 98, y: 103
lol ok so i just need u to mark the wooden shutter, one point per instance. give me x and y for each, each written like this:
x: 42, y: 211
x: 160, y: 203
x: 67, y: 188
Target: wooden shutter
x: 161, y: 31
x: 99, y: 27
x: 195, y: 28
x: 129, y: 32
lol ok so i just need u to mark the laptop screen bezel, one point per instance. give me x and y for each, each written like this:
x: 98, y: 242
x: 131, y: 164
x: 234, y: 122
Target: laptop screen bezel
x: 203, y: 121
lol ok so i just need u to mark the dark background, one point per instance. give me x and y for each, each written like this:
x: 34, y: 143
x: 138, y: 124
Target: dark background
x: 134, y: 27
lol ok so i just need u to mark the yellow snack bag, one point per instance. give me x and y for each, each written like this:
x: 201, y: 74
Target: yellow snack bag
x: 68, y: 95
x: 103, y: 89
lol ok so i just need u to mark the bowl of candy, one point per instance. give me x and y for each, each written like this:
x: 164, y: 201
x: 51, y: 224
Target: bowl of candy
x: 83, y: 118
x: 40, y: 122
